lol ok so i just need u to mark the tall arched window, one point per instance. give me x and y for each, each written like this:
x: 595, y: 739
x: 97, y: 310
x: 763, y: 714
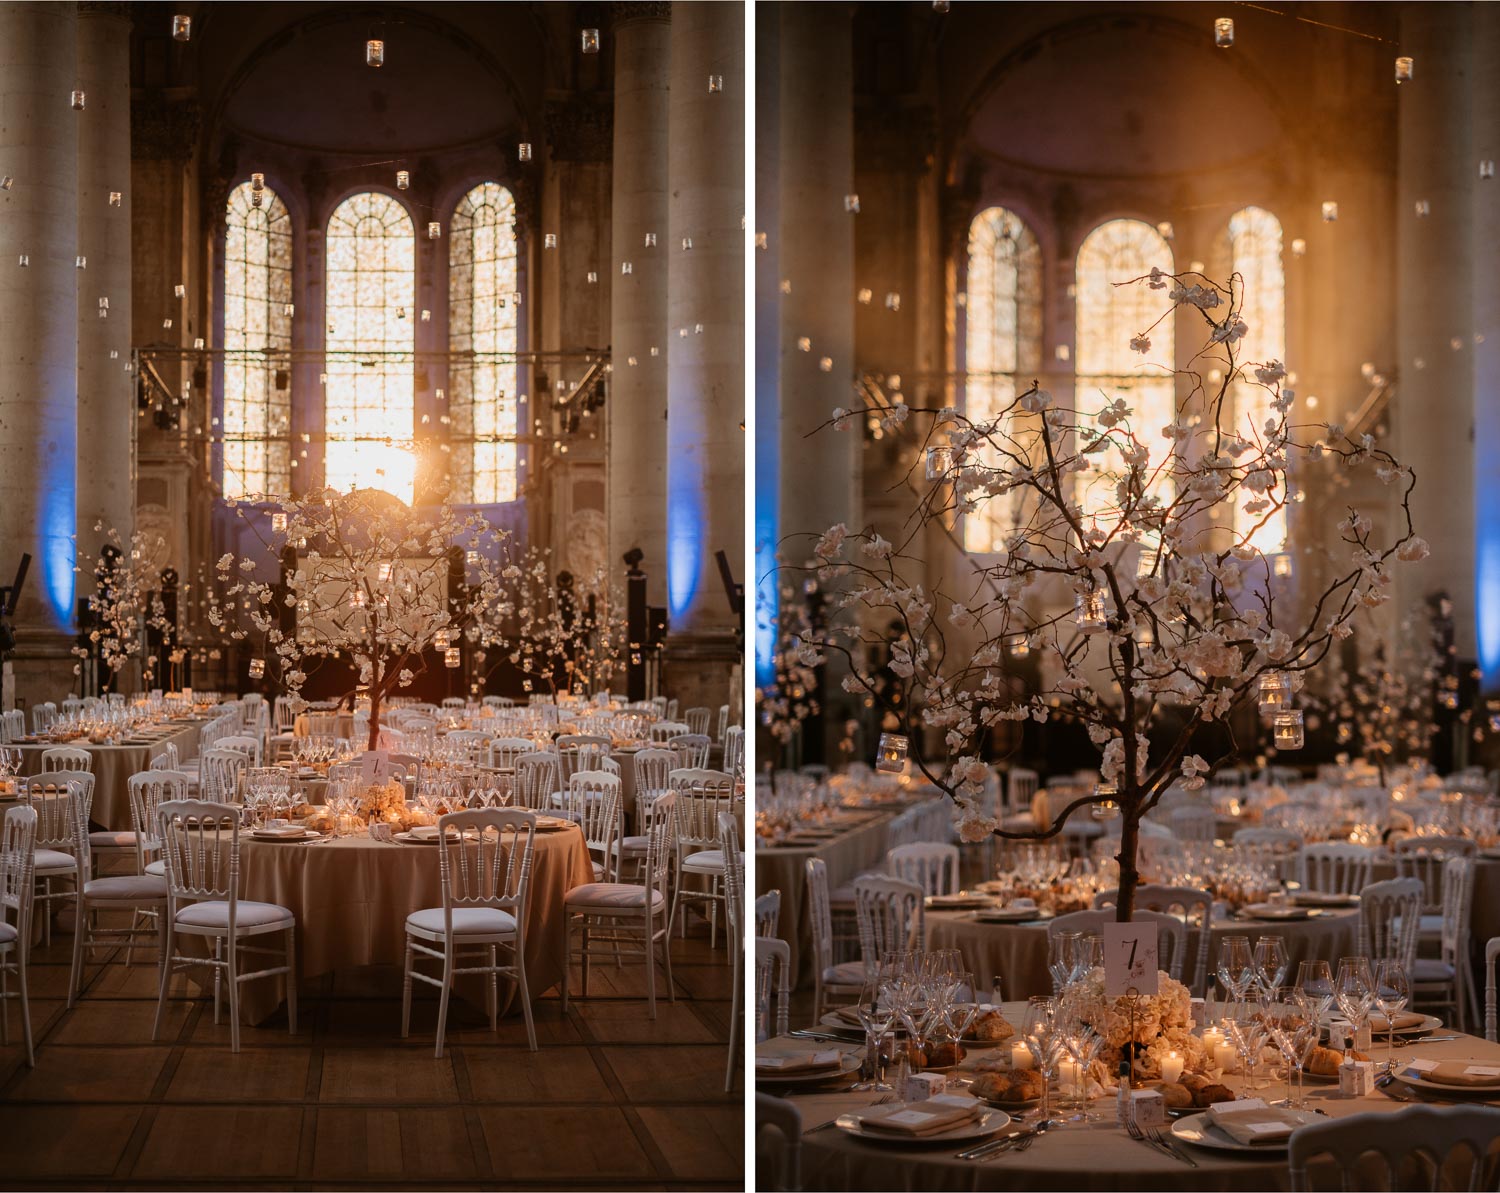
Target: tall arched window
x: 482, y: 318
x: 1109, y: 316
x: 1255, y: 254
x: 256, y: 423
x: 368, y: 400
x: 1002, y: 341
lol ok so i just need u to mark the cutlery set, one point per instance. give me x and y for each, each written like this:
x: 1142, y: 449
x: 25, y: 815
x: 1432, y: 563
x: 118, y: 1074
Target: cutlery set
x: 1152, y: 1137
x: 1017, y: 1141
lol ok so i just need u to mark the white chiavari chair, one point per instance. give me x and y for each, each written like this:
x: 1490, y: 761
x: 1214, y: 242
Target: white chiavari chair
x: 932, y: 865
x: 664, y: 731
x: 67, y: 758
x: 1389, y: 913
x: 17, y: 890
x: 219, y: 775
x: 1447, y: 980
x: 696, y: 719
x: 701, y: 796
x: 244, y: 743
x: 691, y: 749
x: 538, y: 775
x: 773, y: 963
x: 53, y: 795
x: 594, y: 805
x: 767, y: 913
x: 890, y: 915
x: 734, y: 750
x: 1335, y: 867
x: 504, y: 751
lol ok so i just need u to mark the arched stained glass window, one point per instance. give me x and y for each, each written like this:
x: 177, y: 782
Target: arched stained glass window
x: 1002, y: 341
x: 1255, y: 254
x: 368, y: 400
x: 255, y: 426
x: 1108, y: 317
x: 482, y: 297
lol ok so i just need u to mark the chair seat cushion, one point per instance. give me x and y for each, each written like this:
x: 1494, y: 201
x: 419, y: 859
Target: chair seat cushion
x: 1430, y: 969
x: 634, y: 844
x: 105, y: 839
x: 467, y: 921
x: 214, y: 913
x: 54, y: 859
x: 126, y: 886
x: 611, y: 894
x: 1430, y: 925
x: 7, y: 933
x: 598, y: 870
x: 157, y: 867
x: 847, y: 973
x: 705, y: 861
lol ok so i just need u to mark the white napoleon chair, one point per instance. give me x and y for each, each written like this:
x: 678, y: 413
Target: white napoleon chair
x: 17, y: 887
x: 1190, y: 905
x: 932, y: 865
x: 697, y: 720
x: 484, y: 867
x: 701, y: 796
x: 53, y: 794
x: 889, y: 913
x: 629, y: 920
x: 664, y: 731
x: 1447, y: 980
x: 67, y: 758
x: 505, y: 750
x: 536, y: 782
x: 1491, y: 955
x: 1194, y: 823
x: 594, y: 805
x: 1420, y: 1148
x: 773, y: 995
x: 692, y: 749
x: 1389, y: 913
x: 244, y: 743
x: 1334, y: 867
x: 767, y: 913
x: 830, y: 980
x: 734, y: 749
x: 200, y: 843
x: 219, y: 774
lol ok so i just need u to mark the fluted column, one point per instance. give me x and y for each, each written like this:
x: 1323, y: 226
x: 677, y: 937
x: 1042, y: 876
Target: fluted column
x: 1485, y: 341
x: 637, y: 406
x: 106, y: 409
x: 816, y: 164
x: 38, y: 332
x: 705, y: 320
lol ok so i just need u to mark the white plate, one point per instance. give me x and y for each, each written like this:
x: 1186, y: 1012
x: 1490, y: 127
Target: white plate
x: 1437, y: 1087
x: 408, y: 839
x: 849, y: 1063
x: 1197, y: 1129
x: 307, y: 834
x: 988, y: 1123
x: 1430, y: 1023
x: 959, y: 902
x: 1011, y: 915
x: 1320, y: 899
x: 1275, y: 912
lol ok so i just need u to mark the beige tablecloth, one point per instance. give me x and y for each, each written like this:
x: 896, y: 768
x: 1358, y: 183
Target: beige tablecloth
x: 113, y: 766
x: 1076, y: 1156
x: 351, y: 898
x: 1017, y: 953
x: 851, y: 853
x: 343, y: 725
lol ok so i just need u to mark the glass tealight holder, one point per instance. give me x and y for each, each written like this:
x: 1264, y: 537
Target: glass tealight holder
x: 589, y: 41
x: 549, y: 240
x: 78, y: 101
x: 939, y: 462
x: 1091, y: 611
x: 890, y: 753
x: 715, y: 84
x: 1019, y: 646
x: 452, y: 657
x: 1403, y: 70
x: 1107, y: 805
x: 257, y: 668
x: 1330, y: 210
x: 1286, y: 729
x: 1275, y: 693
x: 374, y: 52
x: 523, y: 151
x: 182, y: 27
x: 1224, y: 32
x: 403, y: 180
x: 434, y: 230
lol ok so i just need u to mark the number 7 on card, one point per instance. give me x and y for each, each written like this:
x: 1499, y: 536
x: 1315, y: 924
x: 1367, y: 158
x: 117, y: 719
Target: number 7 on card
x: 1130, y: 958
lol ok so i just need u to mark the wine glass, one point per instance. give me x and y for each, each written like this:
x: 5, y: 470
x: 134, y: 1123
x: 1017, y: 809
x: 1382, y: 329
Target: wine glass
x: 1315, y: 988
x: 960, y: 1012
x: 1236, y: 966
x: 1392, y: 993
x: 1043, y: 1039
x: 1248, y: 1035
x: 876, y: 1013
x: 1270, y: 965
x: 1294, y: 1034
x: 1060, y: 964
x: 1354, y: 990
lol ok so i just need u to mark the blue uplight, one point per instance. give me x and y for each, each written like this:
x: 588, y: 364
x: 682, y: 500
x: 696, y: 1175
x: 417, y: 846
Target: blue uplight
x: 58, y: 523
x: 684, y: 542
x: 1487, y: 605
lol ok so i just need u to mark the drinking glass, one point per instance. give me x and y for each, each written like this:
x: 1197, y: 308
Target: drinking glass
x: 1354, y: 990
x: 1060, y: 963
x: 1270, y: 965
x: 1044, y: 1040
x: 1294, y: 1035
x: 876, y: 1013
x: 1248, y: 1035
x: 1315, y: 988
x: 1236, y: 966
x: 1392, y: 993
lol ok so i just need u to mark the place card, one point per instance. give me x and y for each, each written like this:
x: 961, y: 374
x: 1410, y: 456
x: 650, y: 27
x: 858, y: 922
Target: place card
x: 1357, y: 1078
x: 1130, y: 958
x: 1421, y: 1066
x: 1482, y: 1071
x: 374, y: 766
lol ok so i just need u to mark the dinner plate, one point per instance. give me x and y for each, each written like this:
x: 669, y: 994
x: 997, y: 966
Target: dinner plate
x: 1197, y: 1129
x: 1322, y: 899
x: 959, y: 902
x: 1430, y: 1023
x: 409, y: 839
x: 552, y: 824
x: 1010, y: 915
x: 1275, y: 912
x: 306, y: 834
x: 988, y: 1123
x: 1437, y: 1087
x: 849, y: 1063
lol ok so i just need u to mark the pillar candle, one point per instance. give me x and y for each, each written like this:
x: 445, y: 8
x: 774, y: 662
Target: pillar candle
x: 1171, y: 1067
x: 1020, y: 1056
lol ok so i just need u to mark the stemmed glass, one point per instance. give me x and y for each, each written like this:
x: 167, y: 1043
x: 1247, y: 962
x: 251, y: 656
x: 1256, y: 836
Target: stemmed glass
x: 959, y: 1013
x: 876, y: 1013
x: 1355, y: 990
x: 1315, y: 989
x: 1060, y: 964
x: 1248, y: 1034
x: 1270, y: 965
x: 1236, y: 966
x: 1392, y: 993
x: 1043, y: 1038
x: 1294, y: 1034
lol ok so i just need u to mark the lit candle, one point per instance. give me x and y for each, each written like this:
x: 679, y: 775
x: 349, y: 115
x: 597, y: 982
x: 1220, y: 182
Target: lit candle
x: 1171, y: 1067
x: 1224, y: 1056
x: 1212, y: 1038
x: 1070, y: 1075
x: 1020, y: 1056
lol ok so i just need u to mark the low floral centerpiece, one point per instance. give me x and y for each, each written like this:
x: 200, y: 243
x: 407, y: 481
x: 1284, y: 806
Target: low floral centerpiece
x: 1145, y: 1028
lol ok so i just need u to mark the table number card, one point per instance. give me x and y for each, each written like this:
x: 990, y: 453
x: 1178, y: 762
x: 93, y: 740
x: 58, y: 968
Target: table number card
x: 1130, y: 953
x: 374, y: 767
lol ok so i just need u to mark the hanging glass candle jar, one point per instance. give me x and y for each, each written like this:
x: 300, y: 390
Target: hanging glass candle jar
x: 403, y: 180
x: 523, y: 151
x: 434, y: 230
x: 78, y: 101
x: 1275, y: 693
x: 1286, y: 729
x: 1224, y: 32
x: 1330, y: 210
x: 1106, y: 801
x: 1091, y: 610
x: 182, y: 27
x: 453, y: 657
x: 257, y: 668
x: 1403, y: 70
x: 939, y: 462
x: 715, y: 84
x: 1019, y: 646
x: 589, y: 41
x: 278, y: 522
x: 374, y: 52
x: 890, y: 753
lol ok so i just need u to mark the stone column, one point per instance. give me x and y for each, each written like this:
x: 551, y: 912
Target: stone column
x: 767, y: 583
x: 38, y: 336
x: 637, y: 407
x: 106, y: 405
x: 1434, y: 339
x: 816, y: 164
x: 1485, y: 341
x: 706, y: 357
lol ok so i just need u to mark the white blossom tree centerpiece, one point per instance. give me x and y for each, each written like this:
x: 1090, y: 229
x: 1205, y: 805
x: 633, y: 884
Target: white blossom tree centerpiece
x: 1135, y: 560
x: 126, y: 600
x: 370, y: 586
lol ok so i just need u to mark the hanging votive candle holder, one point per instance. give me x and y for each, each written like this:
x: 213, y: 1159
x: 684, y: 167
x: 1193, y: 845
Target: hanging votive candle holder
x: 257, y: 668
x: 403, y: 180
x: 549, y: 240
x: 452, y: 657
x: 1330, y: 210
x: 78, y: 101
x: 1019, y: 646
x: 523, y: 151
x: 715, y: 84
x: 374, y: 52
x: 179, y: 291
x: 1281, y: 564
x: 1299, y: 247
x: 1091, y: 611
x: 1286, y: 729
x: 851, y: 204
x: 1487, y: 168
x: 257, y: 198
x: 939, y: 462
x: 1106, y: 801
x: 890, y: 753
x: 278, y: 523
x: 1224, y: 32
x: 182, y: 27
x: 1275, y: 693
x: 434, y: 230
x: 1423, y: 208
x: 115, y: 198
x: 589, y: 41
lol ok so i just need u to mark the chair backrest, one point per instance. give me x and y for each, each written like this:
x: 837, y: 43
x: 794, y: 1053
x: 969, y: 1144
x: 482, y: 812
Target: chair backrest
x: 219, y: 774
x: 1457, y: 883
x: 453, y: 701
x: 665, y: 731
x: 505, y: 750
x: 734, y: 877
x: 701, y: 796
x: 691, y: 748
x: 1194, y: 823
x: 17, y: 867
x: 697, y: 720
x: 1418, y: 1148
x: 573, y: 758
x: 244, y: 743
x: 1192, y: 906
x: 594, y: 802
x: 734, y: 749
x: 1389, y: 918
x: 933, y: 866
x: 1171, y: 939
x: 538, y: 777
x: 67, y: 758
x: 200, y: 844
x: 1280, y: 840
x: 652, y: 770
x: 723, y: 724
x: 1334, y: 867
x: 576, y: 741
x: 889, y: 912
x: 148, y: 790
x: 484, y: 859
x: 60, y: 798
x: 773, y: 963
x: 820, y: 913
x: 768, y: 913
x: 661, y: 845
x: 1491, y: 955
x: 1423, y: 857
x: 1020, y: 787
x: 778, y: 1144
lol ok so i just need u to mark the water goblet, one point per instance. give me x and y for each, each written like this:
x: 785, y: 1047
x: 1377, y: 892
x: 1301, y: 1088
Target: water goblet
x: 1392, y: 993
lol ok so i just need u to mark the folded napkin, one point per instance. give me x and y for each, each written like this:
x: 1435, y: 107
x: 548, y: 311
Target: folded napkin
x: 929, y: 1117
x: 424, y: 832
x: 1404, y: 1019
x: 1455, y: 1072
x: 1251, y: 1122
x: 849, y: 1015
x: 799, y: 1062
x: 282, y: 830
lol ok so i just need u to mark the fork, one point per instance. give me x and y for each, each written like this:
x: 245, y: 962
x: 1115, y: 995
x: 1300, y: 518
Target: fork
x: 1162, y: 1141
x: 889, y: 1098
x: 1140, y: 1137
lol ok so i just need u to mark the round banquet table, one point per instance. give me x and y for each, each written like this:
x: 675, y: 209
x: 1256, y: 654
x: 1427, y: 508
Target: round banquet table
x: 1017, y: 953
x: 1098, y: 1155
x: 351, y: 897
